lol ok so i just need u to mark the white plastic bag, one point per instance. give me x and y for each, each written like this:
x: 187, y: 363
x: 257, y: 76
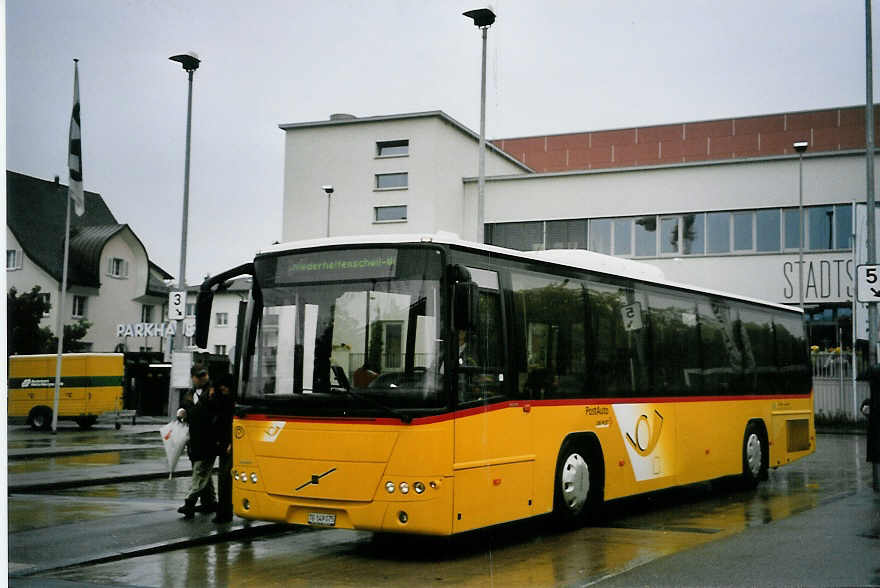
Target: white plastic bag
x: 174, y: 436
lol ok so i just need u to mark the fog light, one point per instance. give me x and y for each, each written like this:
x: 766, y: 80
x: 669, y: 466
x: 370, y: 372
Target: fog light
x: 419, y: 487
x: 246, y: 504
x: 404, y: 488
x: 235, y: 474
x: 390, y: 487
x: 254, y: 478
x: 402, y: 517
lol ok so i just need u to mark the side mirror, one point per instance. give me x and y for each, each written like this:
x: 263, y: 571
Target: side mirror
x: 203, y: 317
x: 466, y: 300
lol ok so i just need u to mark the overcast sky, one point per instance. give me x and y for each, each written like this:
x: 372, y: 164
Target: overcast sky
x: 553, y: 67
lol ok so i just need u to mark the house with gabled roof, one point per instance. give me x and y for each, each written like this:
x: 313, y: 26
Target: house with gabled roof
x: 111, y: 281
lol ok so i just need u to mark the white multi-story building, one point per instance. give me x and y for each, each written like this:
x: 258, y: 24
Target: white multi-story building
x: 712, y: 203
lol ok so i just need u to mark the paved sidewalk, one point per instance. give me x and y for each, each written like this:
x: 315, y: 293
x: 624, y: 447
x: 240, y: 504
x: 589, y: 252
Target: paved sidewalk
x: 836, y: 544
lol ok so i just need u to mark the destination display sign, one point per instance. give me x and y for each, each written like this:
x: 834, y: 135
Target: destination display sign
x: 328, y: 266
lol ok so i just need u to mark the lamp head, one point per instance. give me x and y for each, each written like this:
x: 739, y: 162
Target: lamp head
x: 800, y: 146
x: 482, y: 17
x: 189, y: 60
x: 328, y: 189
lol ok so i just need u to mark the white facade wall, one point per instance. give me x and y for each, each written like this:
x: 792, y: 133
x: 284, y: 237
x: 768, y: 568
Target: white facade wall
x: 117, y: 301
x: 344, y: 156
x: 224, y: 302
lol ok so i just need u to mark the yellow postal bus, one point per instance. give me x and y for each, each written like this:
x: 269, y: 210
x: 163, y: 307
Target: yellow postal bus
x: 91, y: 386
x: 430, y: 385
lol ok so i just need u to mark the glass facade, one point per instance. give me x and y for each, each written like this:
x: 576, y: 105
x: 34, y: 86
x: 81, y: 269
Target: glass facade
x: 770, y: 230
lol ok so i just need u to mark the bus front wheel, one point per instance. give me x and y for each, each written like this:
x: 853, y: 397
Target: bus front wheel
x: 755, y: 456
x: 578, y: 484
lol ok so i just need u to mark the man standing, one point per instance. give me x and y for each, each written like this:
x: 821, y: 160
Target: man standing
x: 199, y: 414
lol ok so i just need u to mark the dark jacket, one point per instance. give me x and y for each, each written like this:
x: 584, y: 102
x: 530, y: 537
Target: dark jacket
x: 224, y: 406
x: 200, y: 418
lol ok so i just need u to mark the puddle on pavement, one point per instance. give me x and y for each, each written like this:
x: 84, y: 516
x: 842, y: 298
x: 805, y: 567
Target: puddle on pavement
x: 62, y: 462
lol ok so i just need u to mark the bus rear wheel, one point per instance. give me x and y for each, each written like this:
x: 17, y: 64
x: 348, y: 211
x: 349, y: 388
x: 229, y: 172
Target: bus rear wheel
x: 40, y: 418
x: 577, y: 486
x: 754, y: 456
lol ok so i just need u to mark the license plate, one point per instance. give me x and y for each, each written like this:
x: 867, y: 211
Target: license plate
x: 322, y: 519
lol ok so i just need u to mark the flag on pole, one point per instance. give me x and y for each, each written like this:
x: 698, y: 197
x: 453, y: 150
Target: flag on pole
x: 74, y: 159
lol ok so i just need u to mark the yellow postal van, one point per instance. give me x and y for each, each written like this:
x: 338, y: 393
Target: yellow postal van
x: 91, y: 386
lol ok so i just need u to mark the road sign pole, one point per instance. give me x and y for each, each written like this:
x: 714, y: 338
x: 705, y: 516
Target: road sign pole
x: 872, y: 252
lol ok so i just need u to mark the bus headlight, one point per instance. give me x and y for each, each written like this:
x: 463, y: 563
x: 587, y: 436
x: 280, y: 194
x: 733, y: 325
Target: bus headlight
x: 389, y: 486
x: 419, y: 487
x: 404, y: 488
x: 254, y: 478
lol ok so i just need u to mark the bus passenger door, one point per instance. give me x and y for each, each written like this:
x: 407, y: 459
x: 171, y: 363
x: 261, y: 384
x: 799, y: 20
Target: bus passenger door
x: 493, y: 463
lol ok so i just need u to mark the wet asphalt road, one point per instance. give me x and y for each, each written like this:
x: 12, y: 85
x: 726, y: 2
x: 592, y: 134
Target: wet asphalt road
x: 635, y: 534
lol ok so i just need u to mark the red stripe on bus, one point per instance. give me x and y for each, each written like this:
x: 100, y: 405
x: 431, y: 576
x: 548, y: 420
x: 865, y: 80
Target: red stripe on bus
x: 516, y: 404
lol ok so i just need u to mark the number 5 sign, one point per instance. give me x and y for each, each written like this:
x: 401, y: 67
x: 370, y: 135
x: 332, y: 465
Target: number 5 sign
x: 868, y: 280
x: 176, y: 306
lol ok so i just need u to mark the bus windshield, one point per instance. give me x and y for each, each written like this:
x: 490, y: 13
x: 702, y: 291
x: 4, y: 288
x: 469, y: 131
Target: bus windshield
x: 351, y: 332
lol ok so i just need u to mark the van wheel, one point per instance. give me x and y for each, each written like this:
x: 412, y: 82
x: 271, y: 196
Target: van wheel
x: 754, y: 456
x: 86, y: 422
x: 578, y: 484
x: 40, y: 418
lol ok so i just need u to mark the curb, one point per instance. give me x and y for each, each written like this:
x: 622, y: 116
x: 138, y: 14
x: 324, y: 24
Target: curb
x: 251, y: 531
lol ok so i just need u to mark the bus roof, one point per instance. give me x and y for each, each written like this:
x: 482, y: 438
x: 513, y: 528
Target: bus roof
x: 573, y: 258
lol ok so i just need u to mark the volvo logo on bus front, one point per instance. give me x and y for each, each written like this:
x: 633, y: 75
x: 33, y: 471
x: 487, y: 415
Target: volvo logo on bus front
x: 315, y: 479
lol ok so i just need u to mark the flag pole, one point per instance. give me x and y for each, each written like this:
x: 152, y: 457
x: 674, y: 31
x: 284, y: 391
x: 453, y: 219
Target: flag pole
x: 59, y: 321
x: 75, y: 193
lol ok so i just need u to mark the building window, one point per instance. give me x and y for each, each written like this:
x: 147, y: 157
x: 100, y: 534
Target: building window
x: 567, y: 234
x: 47, y: 300
x: 190, y: 309
x: 392, y: 181
x: 646, y: 236
x: 790, y: 226
x: 13, y: 259
x: 694, y: 234
x: 146, y: 313
x: 222, y: 319
x: 623, y: 236
x: 390, y: 213
x: 392, y: 148
x: 767, y: 230
x: 79, y: 307
x: 145, y: 349
x: 220, y: 349
x: 669, y: 235
x: 117, y: 268
x: 600, y: 235
x: 718, y: 232
x: 820, y: 220
x: 743, y: 232
x: 843, y: 226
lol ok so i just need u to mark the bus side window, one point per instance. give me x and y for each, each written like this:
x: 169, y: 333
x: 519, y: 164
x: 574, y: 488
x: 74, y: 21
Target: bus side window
x: 480, y: 353
x: 550, y: 313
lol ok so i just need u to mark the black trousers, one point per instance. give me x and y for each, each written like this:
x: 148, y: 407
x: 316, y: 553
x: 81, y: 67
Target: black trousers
x: 224, y: 486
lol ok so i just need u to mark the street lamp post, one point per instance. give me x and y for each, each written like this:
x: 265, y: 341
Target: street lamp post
x: 800, y: 147
x: 329, y: 191
x: 190, y: 62
x: 483, y: 18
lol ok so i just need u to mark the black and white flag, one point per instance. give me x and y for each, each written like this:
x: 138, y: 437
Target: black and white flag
x: 74, y: 158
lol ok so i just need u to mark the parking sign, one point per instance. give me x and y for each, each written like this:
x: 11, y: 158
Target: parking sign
x: 868, y: 283
x: 176, y: 306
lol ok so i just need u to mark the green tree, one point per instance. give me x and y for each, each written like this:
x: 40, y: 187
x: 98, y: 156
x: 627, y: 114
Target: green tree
x: 24, y: 336
x: 23, y: 315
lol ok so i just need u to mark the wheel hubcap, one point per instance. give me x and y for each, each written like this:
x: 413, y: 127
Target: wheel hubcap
x: 753, y: 454
x: 575, y: 482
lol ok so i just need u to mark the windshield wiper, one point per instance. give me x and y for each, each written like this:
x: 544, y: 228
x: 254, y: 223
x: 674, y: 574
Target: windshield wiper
x: 345, y: 387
